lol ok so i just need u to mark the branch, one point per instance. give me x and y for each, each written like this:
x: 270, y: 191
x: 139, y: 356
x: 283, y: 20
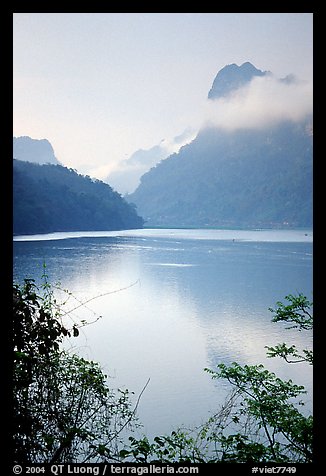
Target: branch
x: 83, y: 303
x: 283, y: 351
x: 117, y: 433
x: 132, y: 413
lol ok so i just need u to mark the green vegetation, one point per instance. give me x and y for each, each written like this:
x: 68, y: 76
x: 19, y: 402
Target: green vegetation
x: 64, y: 411
x: 246, y: 178
x: 48, y: 198
x: 260, y: 421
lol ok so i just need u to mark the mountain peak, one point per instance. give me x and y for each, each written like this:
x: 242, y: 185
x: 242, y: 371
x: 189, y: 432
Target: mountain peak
x: 33, y: 150
x: 232, y: 77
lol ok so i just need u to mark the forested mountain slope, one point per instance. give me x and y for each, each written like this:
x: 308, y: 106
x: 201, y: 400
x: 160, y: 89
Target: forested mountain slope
x: 246, y: 177
x: 48, y: 198
x: 250, y: 166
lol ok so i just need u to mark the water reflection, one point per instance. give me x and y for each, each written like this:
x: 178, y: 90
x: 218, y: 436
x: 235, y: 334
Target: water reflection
x: 183, y: 305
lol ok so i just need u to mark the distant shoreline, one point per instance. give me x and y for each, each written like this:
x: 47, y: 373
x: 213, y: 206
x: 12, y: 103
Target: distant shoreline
x: 297, y: 235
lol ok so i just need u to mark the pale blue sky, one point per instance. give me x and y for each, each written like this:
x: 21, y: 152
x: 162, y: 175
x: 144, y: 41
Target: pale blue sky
x: 99, y: 86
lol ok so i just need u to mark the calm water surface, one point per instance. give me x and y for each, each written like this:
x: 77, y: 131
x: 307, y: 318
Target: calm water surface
x: 169, y: 303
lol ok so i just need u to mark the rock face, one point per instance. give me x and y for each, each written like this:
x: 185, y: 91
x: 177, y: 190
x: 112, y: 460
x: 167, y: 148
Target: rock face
x: 246, y: 177
x: 33, y: 150
x: 232, y: 77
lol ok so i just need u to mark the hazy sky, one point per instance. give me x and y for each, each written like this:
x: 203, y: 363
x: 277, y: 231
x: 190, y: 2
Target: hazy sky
x: 99, y: 86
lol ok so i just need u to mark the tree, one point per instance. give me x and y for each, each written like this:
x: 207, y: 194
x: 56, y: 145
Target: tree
x: 298, y: 314
x: 49, y: 198
x: 278, y: 432
x: 259, y: 422
x: 271, y: 426
x: 63, y: 409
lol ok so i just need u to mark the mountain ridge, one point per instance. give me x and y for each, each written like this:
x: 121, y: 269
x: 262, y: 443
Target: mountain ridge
x: 38, y: 151
x: 49, y: 198
x: 126, y: 177
x: 232, y: 179
x: 233, y: 77
x: 254, y: 174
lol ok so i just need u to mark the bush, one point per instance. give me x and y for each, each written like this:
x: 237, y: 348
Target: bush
x: 63, y: 410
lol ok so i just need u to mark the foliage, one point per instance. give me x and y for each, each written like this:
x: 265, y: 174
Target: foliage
x: 259, y: 422
x: 63, y: 410
x: 49, y: 198
x: 281, y: 430
x: 298, y: 313
x: 246, y: 178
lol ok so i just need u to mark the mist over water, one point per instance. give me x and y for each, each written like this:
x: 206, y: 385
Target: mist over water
x: 171, y: 302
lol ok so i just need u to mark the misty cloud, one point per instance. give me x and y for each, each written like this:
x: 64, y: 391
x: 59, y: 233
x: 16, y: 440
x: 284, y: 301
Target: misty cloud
x: 125, y: 178
x: 264, y: 101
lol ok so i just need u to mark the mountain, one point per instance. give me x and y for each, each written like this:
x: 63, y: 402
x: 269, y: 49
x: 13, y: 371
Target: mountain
x: 126, y: 177
x: 250, y: 176
x: 34, y: 150
x: 49, y: 198
x: 245, y: 178
x: 232, y: 77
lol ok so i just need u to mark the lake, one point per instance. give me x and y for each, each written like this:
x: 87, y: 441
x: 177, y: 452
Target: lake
x: 168, y: 303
